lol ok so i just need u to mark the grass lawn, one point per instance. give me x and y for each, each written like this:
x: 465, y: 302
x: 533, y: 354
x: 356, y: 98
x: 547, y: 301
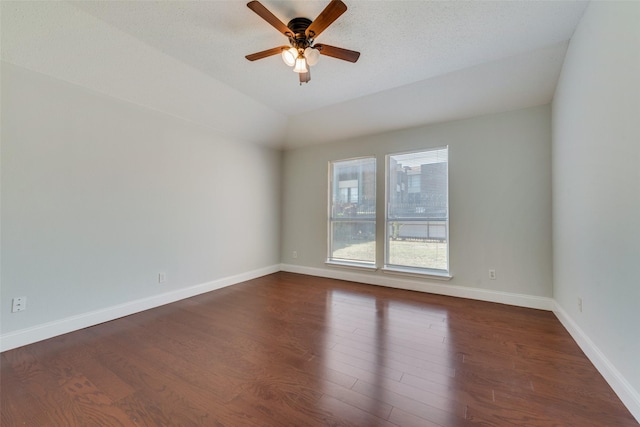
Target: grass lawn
x: 401, y: 252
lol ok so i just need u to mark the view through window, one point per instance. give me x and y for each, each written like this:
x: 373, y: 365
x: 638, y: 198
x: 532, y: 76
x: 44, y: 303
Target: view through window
x: 417, y: 223
x: 352, y: 216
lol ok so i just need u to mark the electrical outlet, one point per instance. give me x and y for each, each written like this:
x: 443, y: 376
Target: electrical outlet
x: 492, y: 274
x: 162, y: 277
x: 18, y: 304
x: 294, y: 254
x: 580, y: 304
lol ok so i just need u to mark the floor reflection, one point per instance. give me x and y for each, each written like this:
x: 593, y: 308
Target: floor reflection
x: 392, y: 350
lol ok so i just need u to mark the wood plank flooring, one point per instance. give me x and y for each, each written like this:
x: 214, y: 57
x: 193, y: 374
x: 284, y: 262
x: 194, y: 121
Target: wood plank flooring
x: 294, y: 350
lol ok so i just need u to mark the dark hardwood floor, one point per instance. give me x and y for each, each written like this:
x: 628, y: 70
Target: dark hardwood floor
x: 294, y: 350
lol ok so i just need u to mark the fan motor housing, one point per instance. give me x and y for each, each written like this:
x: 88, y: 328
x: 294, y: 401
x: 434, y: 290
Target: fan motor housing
x: 298, y: 26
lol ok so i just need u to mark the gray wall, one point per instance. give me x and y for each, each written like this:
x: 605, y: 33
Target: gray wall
x: 99, y: 196
x: 596, y: 184
x: 500, y: 197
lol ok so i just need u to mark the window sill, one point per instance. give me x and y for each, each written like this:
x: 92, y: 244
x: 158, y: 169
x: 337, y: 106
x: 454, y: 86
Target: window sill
x: 356, y: 265
x: 417, y: 272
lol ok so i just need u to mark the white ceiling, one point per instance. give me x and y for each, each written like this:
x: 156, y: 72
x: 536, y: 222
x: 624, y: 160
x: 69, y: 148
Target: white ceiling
x: 421, y: 61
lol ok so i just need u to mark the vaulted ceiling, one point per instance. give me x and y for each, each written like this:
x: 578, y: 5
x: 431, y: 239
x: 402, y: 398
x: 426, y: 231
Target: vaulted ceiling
x: 421, y: 61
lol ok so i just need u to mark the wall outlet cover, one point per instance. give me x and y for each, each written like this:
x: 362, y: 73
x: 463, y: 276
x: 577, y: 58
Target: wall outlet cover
x: 18, y: 304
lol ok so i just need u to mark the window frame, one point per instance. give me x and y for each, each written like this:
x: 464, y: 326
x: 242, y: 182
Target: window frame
x: 441, y: 274
x: 369, y: 265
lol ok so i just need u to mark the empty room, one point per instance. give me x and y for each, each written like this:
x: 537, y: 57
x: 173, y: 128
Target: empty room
x: 320, y: 213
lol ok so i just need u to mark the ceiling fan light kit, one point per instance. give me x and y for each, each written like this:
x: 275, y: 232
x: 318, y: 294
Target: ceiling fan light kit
x: 301, y: 65
x: 289, y: 56
x: 301, y: 32
x: 312, y: 55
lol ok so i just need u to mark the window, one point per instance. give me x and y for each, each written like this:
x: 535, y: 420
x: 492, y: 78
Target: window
x: 352, y: 211
x: 417, y: 217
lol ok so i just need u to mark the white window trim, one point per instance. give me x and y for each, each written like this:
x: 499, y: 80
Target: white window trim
x: 345, y: 263
x: 369, y: 266
x: 417, y: 272
x: 414, y: 271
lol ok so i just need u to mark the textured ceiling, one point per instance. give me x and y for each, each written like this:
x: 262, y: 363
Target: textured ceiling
x: 407, y: 47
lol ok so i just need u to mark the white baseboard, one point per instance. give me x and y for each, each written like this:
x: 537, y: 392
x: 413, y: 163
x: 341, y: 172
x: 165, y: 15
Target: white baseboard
x: 625, y: 391
x: 58, y: 327
x: 433, y: 287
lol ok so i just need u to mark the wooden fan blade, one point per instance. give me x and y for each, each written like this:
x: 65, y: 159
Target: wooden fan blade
x: 330, y: 13
x: 338, y: 52
x: 305, y: 77
x: 264, y: 13
x: 266, y: 53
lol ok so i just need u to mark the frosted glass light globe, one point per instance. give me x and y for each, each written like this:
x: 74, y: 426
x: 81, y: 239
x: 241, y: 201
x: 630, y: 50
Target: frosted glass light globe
x: 312, y: 56
x: 289, y: 56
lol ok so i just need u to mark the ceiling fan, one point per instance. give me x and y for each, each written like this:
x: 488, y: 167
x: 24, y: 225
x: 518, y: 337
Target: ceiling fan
x: 301, y: 32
